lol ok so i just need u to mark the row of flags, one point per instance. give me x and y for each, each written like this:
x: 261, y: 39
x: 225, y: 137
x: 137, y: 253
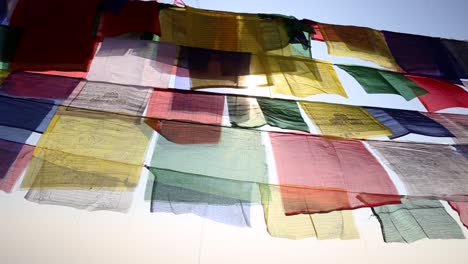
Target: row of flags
x: 97, y: 91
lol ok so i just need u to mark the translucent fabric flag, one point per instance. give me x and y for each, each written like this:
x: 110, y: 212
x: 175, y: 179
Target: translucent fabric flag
x: 413, y: 220
x: 441, y: 94
x: 282, y: 113
x: 63, y: 40
x: 333, y: 225
x: 359, y: 42
x: 428, y: 170
x: 92, y: 200
x: 459, y: 51
x: 220, y: 200
x: 8, y: 41
x: 134, y: 16
x: 463, y: 149
x: 402, y: 122
x: 3, y: 75
x: 298, y: 32
x: 41, y: 86
x: 245, y: 112
x: 345, y: 121
x: 462, y: 210
x: 239, y: 154
x: 108, y: 97
x: 223, y: 31
x: 316, y: 35
x: 176, y: 131
x: 322, y: 175
x: 214, y: 68
x: 15, y: 158
x: 302, y: 77
x: 421, y: 55
x: 89, y: 150
x: 376, y: 81
x: 186, y: 106
x: 133, y: 62
x: 25, y: 114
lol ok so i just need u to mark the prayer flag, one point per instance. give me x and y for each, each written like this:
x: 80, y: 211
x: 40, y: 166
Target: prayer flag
x: 413, y: 220
x: 376, y: 81
x: 344, y: 120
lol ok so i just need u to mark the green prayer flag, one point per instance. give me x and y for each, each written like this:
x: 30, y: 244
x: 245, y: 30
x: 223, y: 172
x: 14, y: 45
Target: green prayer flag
x: 376, y: 81
x: 282, y: 113
x: 413, y: 220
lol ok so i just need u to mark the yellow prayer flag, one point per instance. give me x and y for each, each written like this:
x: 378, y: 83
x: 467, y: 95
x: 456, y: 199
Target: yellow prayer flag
x: 336, y: 224
x: 303, y: 77
x: 83, y: 150
x: 344, y: 120
x: 3, y: 75
x: 359, y: 42
x: 223, y: 30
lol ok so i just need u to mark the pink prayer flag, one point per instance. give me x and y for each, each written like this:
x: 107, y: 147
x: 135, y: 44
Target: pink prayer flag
x: 462, y: 210
x: 321, y: 175
x: 185, y: 106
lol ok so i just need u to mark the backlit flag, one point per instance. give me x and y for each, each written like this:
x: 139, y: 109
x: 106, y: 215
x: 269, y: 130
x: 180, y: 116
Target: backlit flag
x: 440, y: 94
x: 322, y: 175
x: 359, y: 42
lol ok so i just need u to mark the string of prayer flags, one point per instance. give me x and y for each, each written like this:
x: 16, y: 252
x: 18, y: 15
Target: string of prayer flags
x: 441, y: 94
x: 222, y: 30
x: 345, y: 121
x: 376, y: 81
x: 333, y: 225
x: 282, y: 113
x: 413, y: 220
x: 421, y: 55
x: 302, y: 77
x: 359, y: 42
x: 245, y: 112
x: 185, y: 106
x: 15, y: 158
x: 133, y: 16
x: 322, y: 175
x: 462, y: 210
x: 456, y: 124
x: 63, y: 40
x: 39, y: 86
x: 403, y: 122
x: 86, y: 150
x: 133, y: 62
x: 428, y: 170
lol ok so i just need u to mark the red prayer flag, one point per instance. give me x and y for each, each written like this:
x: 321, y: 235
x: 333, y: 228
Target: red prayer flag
x: 135, y: 16
x: 441, y: 94
x: 462, y: 210
x: 186, y: 106
x: 321, y: 175
x: 55, y: 35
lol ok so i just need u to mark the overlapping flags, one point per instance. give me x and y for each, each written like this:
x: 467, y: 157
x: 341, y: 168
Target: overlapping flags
x: 98, y: 81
